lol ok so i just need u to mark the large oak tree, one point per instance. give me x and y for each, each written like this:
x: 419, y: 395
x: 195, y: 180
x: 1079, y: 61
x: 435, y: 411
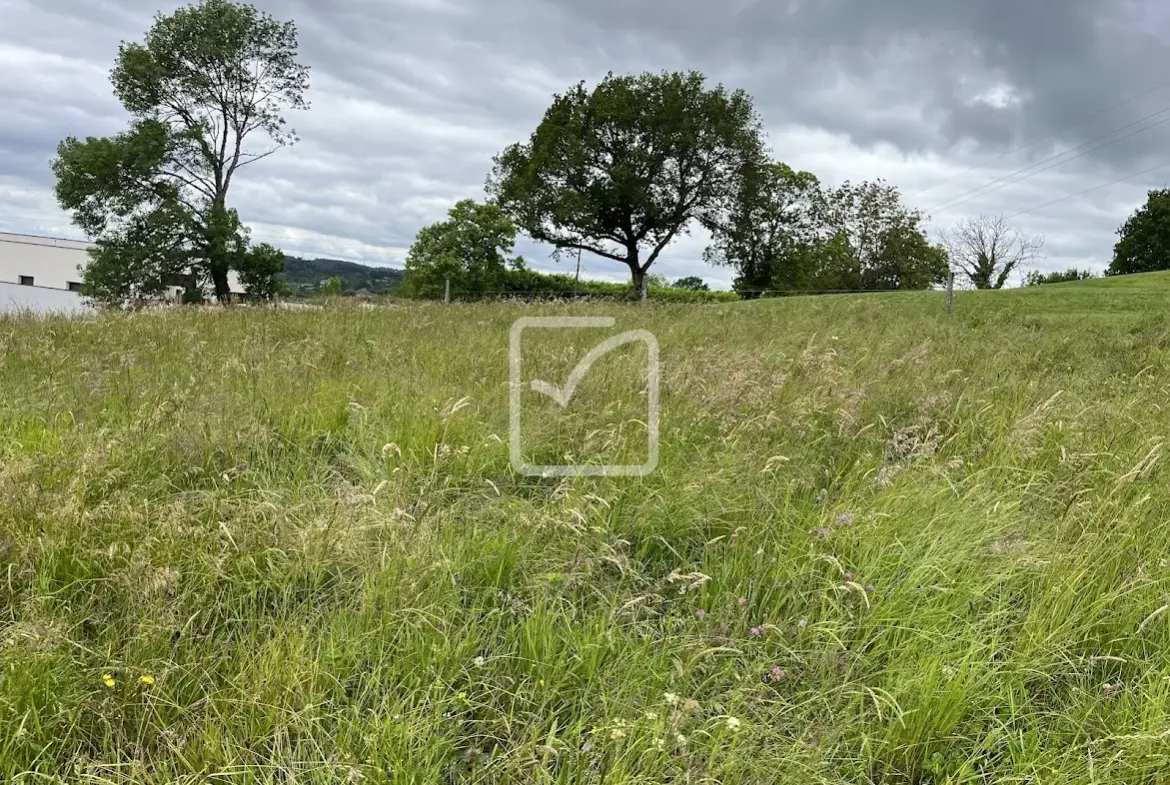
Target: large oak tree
x: 206, y: 91
x: 622, y: 169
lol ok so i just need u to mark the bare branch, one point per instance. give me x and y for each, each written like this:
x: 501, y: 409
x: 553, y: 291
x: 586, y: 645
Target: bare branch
x: 987, y: 250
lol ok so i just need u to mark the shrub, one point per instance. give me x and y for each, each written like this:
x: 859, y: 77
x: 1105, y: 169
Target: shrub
x: 1037, y: 278
x: 522, y: 282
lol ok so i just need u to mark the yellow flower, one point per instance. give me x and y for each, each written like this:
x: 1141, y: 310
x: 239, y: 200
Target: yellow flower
x: 108, y: 680
x: 146, y: 679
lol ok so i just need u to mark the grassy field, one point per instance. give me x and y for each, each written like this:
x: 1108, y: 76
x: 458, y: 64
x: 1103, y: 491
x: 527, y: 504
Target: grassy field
x: 881, y: 545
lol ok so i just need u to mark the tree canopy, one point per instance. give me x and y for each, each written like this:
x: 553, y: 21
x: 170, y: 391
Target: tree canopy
x: 691, y: 283
x: 1144, y: 244
x: 785, y: 232
x: 208, y: 81
x: 621, y: 170
x: 470, y: 249
x: 769, y: 228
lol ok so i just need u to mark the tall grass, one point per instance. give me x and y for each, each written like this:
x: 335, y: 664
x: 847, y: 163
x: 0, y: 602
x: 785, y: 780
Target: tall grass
x: 882, y: 545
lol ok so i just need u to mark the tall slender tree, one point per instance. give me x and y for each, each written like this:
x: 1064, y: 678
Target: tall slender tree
x: 207, y: 91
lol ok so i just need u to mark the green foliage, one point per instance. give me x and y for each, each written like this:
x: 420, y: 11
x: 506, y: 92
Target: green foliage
x: 693, y: 283
x: 784, y: 232
x: 470, y: 249
x: 521, y: 282
x: 259, y: 267
x: 209, y: 79
x: 875, y: 242
x: 332, y: 287
x: 1145, y: 238
x: 531, y: 284
x: 769, y: 234
x: 215, y: 71
x: 624, y: 168
x: 1037, y: 278
x: 672, y: 294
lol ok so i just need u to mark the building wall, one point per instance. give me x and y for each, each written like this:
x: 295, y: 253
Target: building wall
x: 51, y: 262
x: 17, y: 299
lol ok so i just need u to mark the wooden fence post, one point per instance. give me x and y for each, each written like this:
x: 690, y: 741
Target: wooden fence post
x: 950, y: 292
x: 447, y: 292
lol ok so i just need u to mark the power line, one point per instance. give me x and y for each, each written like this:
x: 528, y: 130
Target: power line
x: 986, y: 189
x: 1089, y: 190
x: 1054, y: 135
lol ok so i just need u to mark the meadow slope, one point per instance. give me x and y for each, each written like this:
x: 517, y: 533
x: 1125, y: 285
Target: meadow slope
x: 882, y: 545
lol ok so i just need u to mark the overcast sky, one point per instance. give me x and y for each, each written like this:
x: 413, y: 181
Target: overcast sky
x: 412, y: 98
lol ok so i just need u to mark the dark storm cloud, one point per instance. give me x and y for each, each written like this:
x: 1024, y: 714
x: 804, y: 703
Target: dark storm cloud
x: 411, y: 98
x: 1063, y: 60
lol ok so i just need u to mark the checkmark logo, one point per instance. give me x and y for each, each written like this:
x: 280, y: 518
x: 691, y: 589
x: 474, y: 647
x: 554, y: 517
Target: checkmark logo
x: 563, y: 395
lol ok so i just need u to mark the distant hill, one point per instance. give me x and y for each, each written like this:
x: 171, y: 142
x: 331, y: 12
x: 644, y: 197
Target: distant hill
x: 306, y: 275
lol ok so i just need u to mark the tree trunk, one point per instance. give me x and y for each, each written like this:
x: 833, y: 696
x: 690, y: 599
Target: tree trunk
x: 639, y: 280
x: 637, y: 274
x: 219, y: 277
x: 220, y: 231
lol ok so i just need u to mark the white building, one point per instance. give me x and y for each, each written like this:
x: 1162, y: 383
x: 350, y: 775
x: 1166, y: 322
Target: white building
x: 46, y: 262
x: 44, y: 273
